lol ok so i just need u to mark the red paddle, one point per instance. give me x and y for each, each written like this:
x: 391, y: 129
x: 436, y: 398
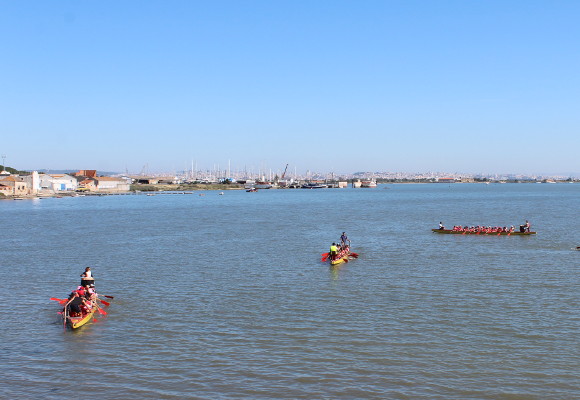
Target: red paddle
x: 105, y: 302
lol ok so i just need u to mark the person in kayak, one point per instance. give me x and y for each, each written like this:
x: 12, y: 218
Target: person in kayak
x: 333, y: 251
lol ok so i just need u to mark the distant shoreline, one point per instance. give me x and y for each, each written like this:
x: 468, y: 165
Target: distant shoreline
x: 135, y: 189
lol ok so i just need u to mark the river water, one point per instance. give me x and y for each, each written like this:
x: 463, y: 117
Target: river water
x: 225, y: 296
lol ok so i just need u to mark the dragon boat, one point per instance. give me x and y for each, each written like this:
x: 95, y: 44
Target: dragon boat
x: 482, y: 232
x: 343, y: 256
x: 84, y: 312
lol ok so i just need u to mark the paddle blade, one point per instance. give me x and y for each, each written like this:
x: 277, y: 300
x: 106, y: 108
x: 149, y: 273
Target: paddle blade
x: 101, y: 311
x: 55, y: 299
x: 105, y: 302
x: 324, y: 258
x: 108, y: 297
x: 345, y: 259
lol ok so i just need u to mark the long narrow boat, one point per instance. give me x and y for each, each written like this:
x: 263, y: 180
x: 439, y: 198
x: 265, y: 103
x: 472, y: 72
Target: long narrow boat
x: 343, y: 256
x: 452, y: 232
x: 84, y: 316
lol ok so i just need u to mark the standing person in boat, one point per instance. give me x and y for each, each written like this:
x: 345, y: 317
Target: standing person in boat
x: 527, y: 226
x: 87, y: 278
x: 333, y: 251
x: 344, y: 240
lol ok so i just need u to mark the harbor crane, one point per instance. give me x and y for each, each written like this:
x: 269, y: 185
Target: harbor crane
x: 284, y: 174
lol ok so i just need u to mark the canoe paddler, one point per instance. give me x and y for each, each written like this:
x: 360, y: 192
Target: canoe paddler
x: 74, y: 304
x: 333, y: 251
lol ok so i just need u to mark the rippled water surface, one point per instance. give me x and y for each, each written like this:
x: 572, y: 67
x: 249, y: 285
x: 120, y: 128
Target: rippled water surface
x: 225, y: 297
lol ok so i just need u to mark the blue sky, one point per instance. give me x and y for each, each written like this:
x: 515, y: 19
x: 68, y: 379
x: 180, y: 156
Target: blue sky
x: 330, y: 86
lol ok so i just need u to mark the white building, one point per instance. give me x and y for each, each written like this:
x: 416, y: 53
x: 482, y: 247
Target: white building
x: 58, y: 182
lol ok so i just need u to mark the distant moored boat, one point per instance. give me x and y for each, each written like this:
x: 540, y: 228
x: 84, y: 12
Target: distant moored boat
x: 368, y: 184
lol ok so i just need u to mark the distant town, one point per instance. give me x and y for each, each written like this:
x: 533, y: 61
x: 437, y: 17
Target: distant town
x: 22, y: 184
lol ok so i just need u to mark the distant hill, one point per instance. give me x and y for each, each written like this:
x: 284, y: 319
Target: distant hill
x: 13, y: 171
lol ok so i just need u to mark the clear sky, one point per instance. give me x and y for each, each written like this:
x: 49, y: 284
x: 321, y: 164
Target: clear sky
x: 329, y: 86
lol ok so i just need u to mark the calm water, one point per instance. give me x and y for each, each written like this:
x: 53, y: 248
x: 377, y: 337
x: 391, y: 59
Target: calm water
x: 225, y: 297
